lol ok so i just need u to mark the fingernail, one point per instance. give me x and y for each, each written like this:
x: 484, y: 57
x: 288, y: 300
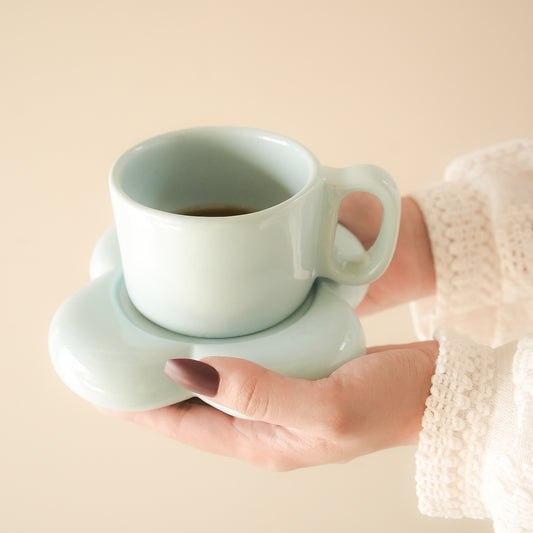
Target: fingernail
x: 193, y: 375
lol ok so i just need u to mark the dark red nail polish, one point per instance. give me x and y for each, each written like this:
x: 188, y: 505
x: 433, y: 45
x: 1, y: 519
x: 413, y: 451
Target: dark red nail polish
x: 193, y: 375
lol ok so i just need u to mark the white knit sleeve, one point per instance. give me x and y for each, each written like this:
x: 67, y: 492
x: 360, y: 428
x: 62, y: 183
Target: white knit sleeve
x: 480, y: 223
x: 475, y: 456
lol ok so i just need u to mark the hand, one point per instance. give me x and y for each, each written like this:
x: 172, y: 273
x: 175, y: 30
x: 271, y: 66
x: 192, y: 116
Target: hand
x: 373, y: 402
x: 411, y: 273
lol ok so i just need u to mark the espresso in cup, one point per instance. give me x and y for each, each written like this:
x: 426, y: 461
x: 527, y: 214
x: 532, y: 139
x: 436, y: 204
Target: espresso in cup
x: 193, y: 265
x: 215, y: 211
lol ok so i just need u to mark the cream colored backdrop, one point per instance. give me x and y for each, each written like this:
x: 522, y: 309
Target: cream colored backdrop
x: 404, y: 84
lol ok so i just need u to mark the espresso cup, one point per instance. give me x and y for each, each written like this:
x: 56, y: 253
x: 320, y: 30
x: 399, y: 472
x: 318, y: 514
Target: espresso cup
x: 222, y: 231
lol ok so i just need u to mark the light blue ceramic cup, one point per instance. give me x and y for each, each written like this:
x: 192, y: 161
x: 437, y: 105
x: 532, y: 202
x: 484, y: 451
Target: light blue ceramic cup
x: 235, y: 275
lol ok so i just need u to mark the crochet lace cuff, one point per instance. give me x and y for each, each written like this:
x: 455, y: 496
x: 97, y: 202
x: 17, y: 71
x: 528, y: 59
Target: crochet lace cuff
x: 475, y: 456
x: 479, y: 221
x: 455, y: 426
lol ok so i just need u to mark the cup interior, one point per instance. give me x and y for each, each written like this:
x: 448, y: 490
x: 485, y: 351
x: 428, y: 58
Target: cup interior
x: 213, y: 166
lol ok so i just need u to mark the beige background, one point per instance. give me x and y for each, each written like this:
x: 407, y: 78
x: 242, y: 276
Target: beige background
x: 404, y: 84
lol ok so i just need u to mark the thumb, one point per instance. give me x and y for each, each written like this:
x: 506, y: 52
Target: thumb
x: 254, y: 391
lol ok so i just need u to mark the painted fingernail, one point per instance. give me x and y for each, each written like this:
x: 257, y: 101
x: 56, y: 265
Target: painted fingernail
x: 193, y: 375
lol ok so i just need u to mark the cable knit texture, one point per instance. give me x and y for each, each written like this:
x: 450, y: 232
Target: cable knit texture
x: 475, y: 457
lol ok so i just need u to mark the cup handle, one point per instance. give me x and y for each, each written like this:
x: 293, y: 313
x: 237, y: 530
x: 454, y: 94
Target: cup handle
x: 370, y: 265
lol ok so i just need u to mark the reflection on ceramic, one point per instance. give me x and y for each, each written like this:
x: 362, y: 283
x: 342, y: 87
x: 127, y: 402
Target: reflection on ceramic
x: 111, y: 355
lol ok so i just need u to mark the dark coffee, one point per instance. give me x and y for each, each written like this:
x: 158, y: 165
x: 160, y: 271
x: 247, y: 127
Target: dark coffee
x: 215, y: 211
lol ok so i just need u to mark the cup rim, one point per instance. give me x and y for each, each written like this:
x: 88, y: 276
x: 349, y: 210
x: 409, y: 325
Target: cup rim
x: 117, y: 188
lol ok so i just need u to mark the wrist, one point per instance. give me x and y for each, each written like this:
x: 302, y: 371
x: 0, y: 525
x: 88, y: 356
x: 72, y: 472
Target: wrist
x: 424, y: 358
x: 411, y: 273
x: 398, y: 401
x: 414, y: 246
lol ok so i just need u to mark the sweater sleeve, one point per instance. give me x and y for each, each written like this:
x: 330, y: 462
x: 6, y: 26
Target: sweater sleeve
x: 480, y: 224
x: 475, y: 457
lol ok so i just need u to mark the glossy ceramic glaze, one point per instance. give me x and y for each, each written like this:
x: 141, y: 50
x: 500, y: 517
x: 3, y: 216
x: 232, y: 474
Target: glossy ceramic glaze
x: 111, y: 355
x: 230, y: 276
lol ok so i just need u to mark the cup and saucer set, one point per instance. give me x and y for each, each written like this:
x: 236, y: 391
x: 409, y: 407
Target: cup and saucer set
x: 226, y: 243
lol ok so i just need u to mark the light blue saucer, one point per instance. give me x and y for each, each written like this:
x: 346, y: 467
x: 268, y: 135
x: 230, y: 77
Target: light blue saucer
x: 112, y: 356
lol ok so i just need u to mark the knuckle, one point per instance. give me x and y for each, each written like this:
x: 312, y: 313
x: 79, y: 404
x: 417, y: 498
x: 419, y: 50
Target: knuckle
x: 339, y: 425
x: 338, y: 420
x: 252, y: 399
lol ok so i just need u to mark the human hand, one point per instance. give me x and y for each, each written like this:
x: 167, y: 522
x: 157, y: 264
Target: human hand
x: 411, y: 273
x: 373, y: 402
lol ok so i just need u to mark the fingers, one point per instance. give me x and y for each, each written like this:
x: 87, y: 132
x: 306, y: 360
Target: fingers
x: 192, y: 423
x: 370, y: 403
x: 256, y: 392
x: 196, y: 424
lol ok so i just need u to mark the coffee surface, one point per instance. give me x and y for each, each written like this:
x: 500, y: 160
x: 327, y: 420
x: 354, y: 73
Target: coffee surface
x: 215, y: 211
